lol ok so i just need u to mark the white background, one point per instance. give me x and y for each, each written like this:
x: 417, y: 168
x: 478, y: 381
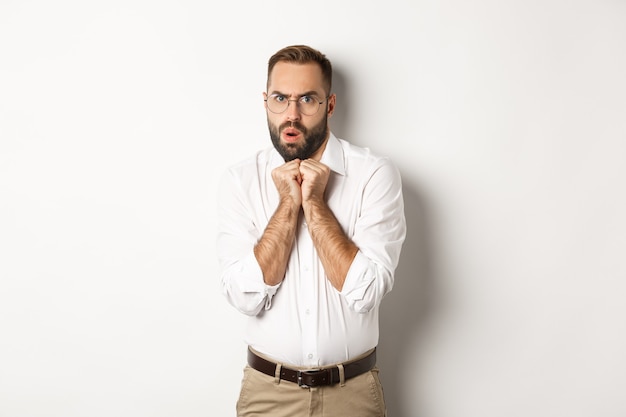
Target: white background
x: 506, y: 119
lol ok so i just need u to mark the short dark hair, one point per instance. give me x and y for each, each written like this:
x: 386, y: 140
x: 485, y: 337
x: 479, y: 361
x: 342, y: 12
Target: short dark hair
x: 302, y: 54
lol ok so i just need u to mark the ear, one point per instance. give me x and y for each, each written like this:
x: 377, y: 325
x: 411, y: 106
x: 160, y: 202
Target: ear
x: 265, y: 99
x: 332, y: 99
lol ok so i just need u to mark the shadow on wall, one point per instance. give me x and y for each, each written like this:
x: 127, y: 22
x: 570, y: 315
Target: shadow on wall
x: 405, y: 309
x: 340, y: 121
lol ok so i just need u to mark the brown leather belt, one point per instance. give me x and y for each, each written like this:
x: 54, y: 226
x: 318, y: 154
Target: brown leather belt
x: 313, y: 377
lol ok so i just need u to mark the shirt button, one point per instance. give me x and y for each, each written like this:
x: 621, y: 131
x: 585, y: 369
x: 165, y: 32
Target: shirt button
x: 310, y: 356
x: 308, y: 311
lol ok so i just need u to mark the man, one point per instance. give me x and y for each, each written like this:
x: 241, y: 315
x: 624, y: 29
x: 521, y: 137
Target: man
x: 310, y: 232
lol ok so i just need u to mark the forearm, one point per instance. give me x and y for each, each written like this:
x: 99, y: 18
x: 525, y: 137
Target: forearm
x: 273, y: 249
x: 335, y: 250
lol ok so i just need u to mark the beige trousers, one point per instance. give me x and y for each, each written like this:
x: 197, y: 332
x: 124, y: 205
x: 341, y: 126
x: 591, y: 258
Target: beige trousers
x: 262, y: 395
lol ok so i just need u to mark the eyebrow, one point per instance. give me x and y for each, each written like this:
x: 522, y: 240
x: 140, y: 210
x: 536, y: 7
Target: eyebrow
x: 308, y: 93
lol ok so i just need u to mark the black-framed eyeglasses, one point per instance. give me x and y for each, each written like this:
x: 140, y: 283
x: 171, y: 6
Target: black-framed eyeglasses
x: 307, y: 104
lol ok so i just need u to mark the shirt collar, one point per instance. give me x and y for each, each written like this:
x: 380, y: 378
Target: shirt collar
x: 332, y: 156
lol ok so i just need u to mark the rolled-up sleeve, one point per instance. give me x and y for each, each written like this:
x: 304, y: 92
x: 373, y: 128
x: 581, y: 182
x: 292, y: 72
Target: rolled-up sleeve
x: 240, y: 274
x: 379, y: 233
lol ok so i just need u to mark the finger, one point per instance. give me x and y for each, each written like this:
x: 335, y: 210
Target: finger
x: 313, y: 164
x: 312, y: 169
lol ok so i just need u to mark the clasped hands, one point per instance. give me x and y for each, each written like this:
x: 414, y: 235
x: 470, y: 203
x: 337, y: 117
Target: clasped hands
x: 302, y: 181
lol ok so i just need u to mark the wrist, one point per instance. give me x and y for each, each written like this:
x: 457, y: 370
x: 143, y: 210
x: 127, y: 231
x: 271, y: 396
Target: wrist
x: 313, y: 202
x: 314, y: 209
x: 289, y: 205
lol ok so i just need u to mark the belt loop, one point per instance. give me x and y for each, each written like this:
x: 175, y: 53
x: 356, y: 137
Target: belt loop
x: 277, y: 373
x: 342, y: 375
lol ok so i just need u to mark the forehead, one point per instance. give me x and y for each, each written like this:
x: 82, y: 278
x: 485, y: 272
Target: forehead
x: 292, y: 78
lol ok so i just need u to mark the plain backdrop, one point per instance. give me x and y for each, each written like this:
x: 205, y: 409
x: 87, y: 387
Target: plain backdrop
x: 507, y: 120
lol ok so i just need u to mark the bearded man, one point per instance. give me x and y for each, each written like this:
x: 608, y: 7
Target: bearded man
x: 310, y: 234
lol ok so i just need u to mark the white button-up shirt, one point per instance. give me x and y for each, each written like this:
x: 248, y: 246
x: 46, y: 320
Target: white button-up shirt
x: 304, y: 321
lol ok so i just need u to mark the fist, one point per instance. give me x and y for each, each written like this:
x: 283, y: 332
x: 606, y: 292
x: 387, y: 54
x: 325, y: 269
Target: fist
x: 287, y: 179
x: 314, y: 178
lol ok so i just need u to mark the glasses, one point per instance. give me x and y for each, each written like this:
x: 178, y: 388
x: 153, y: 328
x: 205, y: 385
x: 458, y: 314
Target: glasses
x: 307, y: 105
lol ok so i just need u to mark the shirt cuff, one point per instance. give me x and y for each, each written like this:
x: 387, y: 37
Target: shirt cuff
x: 358, y: 279
x: 266, y: 291
x: 270, y: 291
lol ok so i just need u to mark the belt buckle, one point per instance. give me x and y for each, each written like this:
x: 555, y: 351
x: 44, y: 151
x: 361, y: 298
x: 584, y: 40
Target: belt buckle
x: 307, y: 372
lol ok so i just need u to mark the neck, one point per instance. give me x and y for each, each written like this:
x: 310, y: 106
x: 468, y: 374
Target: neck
x: 320, y: 151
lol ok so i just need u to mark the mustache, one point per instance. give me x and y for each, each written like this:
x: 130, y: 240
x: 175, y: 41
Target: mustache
x: 296, y: 125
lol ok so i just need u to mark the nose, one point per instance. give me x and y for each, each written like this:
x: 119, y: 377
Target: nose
x: 293, y: 110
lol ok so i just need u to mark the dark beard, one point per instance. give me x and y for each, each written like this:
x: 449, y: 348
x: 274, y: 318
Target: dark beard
x: 313, y: 139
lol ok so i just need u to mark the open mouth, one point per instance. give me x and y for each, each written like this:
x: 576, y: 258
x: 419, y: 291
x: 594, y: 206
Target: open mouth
x: 290, y: 134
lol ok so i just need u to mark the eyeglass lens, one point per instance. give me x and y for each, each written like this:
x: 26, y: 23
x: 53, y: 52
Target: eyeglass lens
x: 308, y: 105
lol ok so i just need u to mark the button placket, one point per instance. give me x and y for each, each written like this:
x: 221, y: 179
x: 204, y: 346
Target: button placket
x: 308, y: 284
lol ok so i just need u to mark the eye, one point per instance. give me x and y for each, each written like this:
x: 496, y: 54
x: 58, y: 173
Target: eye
x: 279, y: 98
x: 307, y: 99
